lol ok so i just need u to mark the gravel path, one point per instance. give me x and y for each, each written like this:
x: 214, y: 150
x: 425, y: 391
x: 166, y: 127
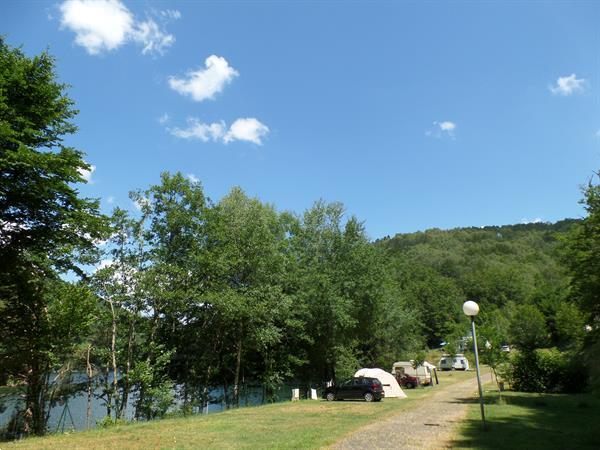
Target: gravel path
x: 429, y: 424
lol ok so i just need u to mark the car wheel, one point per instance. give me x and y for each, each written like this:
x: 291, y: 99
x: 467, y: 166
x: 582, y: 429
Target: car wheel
x: 409, y: 385
x: 369, y: 397
x: 330, y: 397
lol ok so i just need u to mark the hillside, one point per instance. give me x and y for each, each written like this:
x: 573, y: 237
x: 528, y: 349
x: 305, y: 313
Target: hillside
x: 497, y: 266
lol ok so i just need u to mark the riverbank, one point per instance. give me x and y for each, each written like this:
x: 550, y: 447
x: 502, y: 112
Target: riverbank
x: 304, y: 424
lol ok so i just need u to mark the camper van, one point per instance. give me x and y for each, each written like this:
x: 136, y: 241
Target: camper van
x: 456, y: 362
x: 423, y: 372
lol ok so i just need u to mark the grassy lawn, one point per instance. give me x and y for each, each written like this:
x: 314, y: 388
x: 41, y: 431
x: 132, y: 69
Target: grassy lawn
x: 301, y: 424
x: 518, y: 420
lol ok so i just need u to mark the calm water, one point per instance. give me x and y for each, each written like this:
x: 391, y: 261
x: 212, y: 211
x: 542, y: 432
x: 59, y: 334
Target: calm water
x: 71, y: 414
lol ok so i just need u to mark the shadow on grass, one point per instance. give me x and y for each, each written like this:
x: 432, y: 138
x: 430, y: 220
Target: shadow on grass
x: 518, y: 420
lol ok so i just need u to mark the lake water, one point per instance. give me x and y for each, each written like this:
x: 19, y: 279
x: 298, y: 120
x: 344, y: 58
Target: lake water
x: 71, y: 414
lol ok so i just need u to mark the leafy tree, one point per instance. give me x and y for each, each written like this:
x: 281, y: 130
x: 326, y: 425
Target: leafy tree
x: 582, y: 254
x: 528, y: 328
x: 47, y: 228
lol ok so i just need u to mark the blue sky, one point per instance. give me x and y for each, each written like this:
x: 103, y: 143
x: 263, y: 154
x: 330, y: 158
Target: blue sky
x: 414, y: 115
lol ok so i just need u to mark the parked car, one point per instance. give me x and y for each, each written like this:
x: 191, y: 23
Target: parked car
x: 505, y: 348
x: 407, y: 381
x: 367, y: 388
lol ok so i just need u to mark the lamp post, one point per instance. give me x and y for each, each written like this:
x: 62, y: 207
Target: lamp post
x: 471, y: 309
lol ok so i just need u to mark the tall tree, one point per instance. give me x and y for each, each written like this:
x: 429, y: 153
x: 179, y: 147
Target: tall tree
x: 46, y: 227
x: 583, y: 254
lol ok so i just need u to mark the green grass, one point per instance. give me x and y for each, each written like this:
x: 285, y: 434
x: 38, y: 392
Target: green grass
x: 518, y: 420
x: 304, y: 424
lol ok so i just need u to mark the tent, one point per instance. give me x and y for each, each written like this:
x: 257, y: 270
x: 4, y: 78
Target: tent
x: 390, y: 385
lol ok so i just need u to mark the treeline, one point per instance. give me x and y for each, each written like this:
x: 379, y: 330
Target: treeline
x: 500, y: 267
x: 537, y: 286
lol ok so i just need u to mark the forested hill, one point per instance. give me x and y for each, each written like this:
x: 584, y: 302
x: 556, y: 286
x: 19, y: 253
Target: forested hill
x: 495, y: 265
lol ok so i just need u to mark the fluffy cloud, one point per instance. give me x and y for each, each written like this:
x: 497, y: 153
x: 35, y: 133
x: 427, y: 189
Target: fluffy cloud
x: 193, y: 178
x: 244, y: 129
x: 87, y: 174
x: 248, y: 129
x: 441, y: 129
x: 205, y: 83
x: 568, y: 85
x: 105, y: 25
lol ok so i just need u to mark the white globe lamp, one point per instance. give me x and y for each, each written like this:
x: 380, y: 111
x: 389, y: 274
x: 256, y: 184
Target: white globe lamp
x: 470, y: 308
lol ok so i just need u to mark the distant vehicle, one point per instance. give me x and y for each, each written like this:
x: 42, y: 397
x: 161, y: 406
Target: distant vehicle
x: 445, y: 363
x: 423, y: 372
x: 407, y: 381
x: 366, y: 388
x: 505, y: 348
x: 456, y: 362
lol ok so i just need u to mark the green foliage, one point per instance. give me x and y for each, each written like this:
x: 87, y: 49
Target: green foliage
x: 109, y: 422
x: 499, y: 267
x: 528, y: 328
x: 47, y: 228
x: 582, y: 254
x: 547, y: 370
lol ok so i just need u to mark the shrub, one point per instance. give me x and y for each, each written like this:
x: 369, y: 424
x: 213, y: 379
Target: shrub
x: 547, y: 370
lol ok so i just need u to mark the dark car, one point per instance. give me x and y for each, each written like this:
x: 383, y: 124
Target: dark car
x: 407, y: 381
x: 361, y: 387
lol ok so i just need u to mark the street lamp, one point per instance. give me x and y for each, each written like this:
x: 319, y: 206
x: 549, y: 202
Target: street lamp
x: 471, y: 309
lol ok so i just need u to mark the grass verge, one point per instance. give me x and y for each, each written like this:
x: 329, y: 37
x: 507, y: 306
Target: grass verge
x: 304, y: 424
x: 519, y: 420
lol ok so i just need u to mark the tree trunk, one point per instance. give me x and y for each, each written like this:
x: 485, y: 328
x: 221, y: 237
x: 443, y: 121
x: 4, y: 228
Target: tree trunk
x: 35, y: 401
x: 89, y: 373
x: 238, y: 362
x: 113, y: 355
x: 126, y: 384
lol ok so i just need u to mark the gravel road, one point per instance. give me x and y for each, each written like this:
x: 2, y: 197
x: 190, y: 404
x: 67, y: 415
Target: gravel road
x: 429, y: 424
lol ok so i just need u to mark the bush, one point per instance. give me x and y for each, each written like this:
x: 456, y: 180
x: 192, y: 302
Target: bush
x: 547, y: 370
x: 108, y: 421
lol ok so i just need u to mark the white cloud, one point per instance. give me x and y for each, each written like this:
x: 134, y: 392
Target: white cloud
x: 105, y: 25
x: 87, y: 174
x: 199, y: 130
x: 153, y: 39
x: 447, y: 126
x: 164, y: 119
x: 536, y: 220
x: 110, y: 200
x: 243, y: 129
x: 248, y: 129
x: 441, y: 129
x: 204, y: 84
x: 193, y: 178
x: 568, y: 85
